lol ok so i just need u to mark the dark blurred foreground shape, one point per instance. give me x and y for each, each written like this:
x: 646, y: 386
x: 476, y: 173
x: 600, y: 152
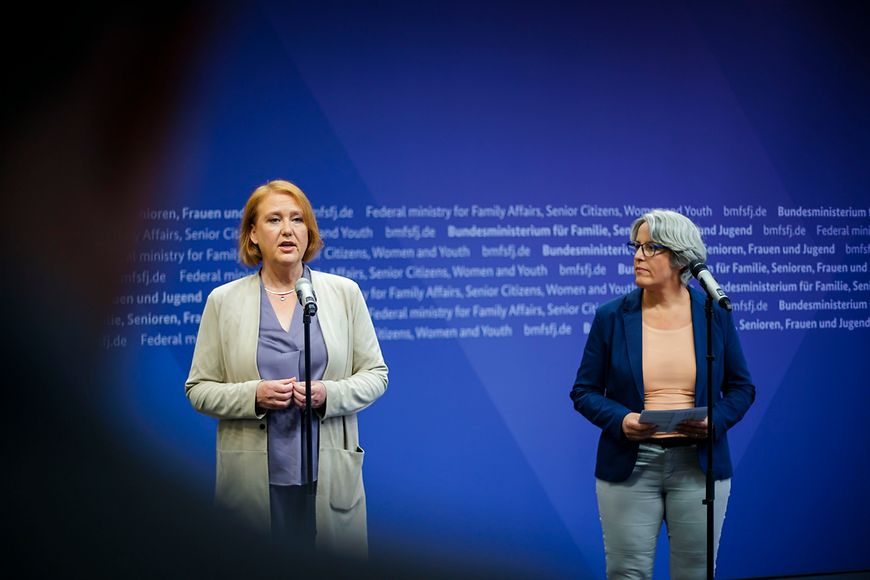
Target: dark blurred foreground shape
x: 89, y: 99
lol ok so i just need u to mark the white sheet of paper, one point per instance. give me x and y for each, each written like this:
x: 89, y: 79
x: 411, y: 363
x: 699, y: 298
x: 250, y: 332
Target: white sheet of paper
x: 667, y: 421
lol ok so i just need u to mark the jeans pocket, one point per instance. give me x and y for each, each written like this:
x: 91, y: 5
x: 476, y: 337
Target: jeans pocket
x: 647, y: 455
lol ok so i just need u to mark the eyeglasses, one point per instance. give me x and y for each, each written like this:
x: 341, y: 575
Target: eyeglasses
x: 649, y: 249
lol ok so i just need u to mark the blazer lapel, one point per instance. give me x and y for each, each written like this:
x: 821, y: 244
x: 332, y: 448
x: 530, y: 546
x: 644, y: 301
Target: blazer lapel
x: 699, y: 330
x: 249, y: 327
x: 328, y: 323
x: 633, y: 323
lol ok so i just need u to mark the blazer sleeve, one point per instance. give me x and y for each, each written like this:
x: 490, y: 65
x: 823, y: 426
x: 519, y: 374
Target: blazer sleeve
x: 207, y: 387
x: 368, y: 379
x: 589, y: 393
x: 738, y: 390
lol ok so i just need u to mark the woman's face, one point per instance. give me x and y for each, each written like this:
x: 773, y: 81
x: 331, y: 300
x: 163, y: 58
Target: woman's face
x: 653, y: 272
x: 280, y: 231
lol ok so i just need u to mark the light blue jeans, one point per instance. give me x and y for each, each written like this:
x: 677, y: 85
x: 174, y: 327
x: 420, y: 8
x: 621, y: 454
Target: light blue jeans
x: 666, y: 485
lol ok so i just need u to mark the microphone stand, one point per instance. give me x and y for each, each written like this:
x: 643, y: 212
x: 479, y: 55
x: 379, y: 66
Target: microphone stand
x: 305, y: 294
x: 308, y: 311
x: 708, y: 283
x: 711, y: 488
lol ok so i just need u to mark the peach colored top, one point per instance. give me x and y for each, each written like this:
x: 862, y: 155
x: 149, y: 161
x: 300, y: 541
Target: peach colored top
x: 668, y: 368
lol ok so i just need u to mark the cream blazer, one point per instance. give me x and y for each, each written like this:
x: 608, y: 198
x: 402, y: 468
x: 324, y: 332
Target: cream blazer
x: 223, y: 381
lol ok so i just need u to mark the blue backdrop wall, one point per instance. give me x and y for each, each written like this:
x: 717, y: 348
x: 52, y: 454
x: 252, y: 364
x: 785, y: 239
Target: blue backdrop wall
x: 474, y: 166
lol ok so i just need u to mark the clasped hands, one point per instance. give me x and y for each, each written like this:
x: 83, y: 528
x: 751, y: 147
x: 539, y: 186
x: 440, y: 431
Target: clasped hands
x: 637, y: 431
x: 282, y: 393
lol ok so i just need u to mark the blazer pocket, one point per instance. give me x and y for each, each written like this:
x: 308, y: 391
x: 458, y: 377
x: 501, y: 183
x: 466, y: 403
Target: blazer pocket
x: 343, y: 470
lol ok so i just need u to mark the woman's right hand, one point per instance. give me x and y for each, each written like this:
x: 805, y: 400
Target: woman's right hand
x: 275, y: 394
x: 635, y: 430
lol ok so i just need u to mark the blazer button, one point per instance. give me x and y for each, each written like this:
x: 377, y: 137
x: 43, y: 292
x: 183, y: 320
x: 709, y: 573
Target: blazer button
x: 262, y: 425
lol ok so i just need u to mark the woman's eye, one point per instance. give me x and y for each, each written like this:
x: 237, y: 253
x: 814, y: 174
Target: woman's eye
x: 298, y: 220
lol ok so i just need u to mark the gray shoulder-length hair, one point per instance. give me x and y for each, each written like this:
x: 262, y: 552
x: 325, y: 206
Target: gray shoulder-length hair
x: 678, y: 233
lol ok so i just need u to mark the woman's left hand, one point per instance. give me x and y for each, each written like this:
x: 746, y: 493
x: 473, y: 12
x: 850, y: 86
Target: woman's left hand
x: 696, y: 429
x: 318, y: 394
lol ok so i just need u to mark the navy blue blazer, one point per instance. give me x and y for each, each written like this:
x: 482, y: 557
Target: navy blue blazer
x: 609, y: 382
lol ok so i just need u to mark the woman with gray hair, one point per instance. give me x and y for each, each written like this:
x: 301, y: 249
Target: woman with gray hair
x: 646, y: 350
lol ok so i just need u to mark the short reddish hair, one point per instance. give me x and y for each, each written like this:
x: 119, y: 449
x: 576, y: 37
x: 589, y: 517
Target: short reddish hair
x: 249, y: 252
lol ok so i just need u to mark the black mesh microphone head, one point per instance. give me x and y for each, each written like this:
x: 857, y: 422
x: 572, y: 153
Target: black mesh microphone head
x: 696, y: 267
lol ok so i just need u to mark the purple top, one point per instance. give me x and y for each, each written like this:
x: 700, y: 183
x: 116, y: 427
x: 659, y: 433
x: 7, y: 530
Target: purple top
x: 281, y: 355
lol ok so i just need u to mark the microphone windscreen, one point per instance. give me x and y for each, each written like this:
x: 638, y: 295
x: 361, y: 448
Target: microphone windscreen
x: 305, y: 291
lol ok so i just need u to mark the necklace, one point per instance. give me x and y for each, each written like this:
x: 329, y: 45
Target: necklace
x: 283, y: 295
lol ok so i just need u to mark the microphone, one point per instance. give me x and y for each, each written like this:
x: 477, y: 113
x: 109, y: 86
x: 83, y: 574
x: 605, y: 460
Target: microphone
x: 305, y: 293
x: 708, y: 282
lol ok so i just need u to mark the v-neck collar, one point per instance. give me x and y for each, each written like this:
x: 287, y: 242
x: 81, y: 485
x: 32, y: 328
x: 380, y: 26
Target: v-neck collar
x: 296, y: 319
